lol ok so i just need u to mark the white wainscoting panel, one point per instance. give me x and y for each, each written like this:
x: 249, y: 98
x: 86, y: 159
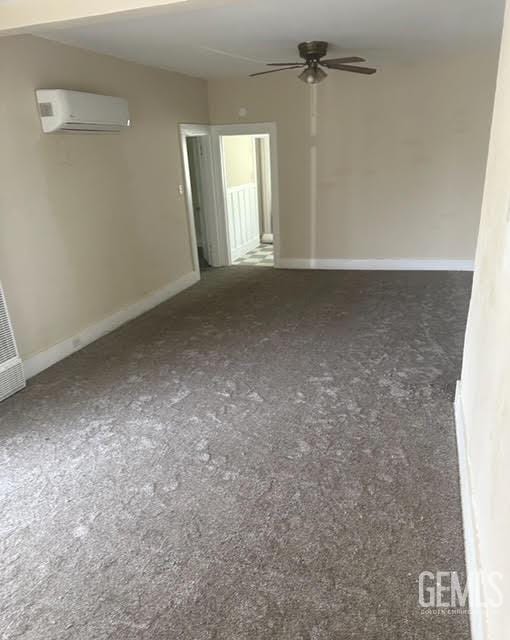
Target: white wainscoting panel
x: 243, y: 219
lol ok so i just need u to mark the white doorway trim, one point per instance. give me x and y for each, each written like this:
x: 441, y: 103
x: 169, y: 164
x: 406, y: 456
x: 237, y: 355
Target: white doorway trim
x: 262, y: 128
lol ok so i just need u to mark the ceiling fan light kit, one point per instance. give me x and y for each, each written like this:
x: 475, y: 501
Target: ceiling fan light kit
x: 312, y: 53
x: 312, y: 75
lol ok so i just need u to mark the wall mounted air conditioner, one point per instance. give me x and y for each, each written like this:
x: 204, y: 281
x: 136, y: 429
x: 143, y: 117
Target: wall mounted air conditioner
x: 12, y: 377
x: 63, y: 110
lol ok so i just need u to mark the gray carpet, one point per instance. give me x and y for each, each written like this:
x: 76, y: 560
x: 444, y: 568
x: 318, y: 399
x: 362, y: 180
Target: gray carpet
x: 270, y: 454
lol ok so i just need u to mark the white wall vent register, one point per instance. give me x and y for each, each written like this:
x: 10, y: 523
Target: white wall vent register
x: 12, y: 378
x: 63, y: 110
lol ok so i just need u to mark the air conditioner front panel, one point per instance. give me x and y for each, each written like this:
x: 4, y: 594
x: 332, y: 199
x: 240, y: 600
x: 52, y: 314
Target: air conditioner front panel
x: 64, y: 110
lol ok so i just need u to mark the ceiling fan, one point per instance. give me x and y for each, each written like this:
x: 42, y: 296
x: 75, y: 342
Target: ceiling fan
x: 312, y: 52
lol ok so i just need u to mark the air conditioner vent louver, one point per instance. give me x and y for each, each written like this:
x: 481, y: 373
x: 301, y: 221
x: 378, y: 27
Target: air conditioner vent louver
x: 7, y: 344
x: 12, y: 378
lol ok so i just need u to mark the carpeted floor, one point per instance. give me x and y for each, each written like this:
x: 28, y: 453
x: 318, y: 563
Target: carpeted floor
x: 270, y: 454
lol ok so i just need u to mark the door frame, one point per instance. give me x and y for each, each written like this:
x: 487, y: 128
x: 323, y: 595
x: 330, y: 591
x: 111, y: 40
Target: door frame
x: 209, y: 213
x: 258, y: 128
x: 214, y: 188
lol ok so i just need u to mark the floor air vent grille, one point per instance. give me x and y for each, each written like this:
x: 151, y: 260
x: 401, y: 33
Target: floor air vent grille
x: 12, y: 378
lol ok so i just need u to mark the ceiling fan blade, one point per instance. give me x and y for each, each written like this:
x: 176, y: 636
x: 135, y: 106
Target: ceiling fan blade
x: 345, y: 67
x: 342, y: 60
x: 285, y: 64
x: 261, y: 73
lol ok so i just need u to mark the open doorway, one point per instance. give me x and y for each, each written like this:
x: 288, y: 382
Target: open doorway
x: 248, y: 201
x: 247, y: 188
x: 231, y: 191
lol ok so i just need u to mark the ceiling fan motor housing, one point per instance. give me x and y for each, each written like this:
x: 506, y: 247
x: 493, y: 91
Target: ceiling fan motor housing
x: 313, y: 50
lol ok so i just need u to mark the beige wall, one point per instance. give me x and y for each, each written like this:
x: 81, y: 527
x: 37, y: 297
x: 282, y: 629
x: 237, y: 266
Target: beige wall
x: 239, y: 160
x: 486, y: 369
x: 88, y: 223
x: 400, y: 156
x: 401, y: 159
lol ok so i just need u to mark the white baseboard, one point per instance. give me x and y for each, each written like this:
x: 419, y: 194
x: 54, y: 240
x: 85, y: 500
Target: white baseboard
x: 383, y: 264
x: 471, y: 541
x: 44, y: 359
x: 267, y: 238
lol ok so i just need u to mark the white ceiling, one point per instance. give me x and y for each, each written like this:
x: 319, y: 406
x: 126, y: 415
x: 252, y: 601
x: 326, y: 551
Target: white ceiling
x: 239, y: 36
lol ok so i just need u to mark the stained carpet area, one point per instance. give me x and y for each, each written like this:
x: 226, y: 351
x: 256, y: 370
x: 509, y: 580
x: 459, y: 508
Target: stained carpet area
x: 270, y: 454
